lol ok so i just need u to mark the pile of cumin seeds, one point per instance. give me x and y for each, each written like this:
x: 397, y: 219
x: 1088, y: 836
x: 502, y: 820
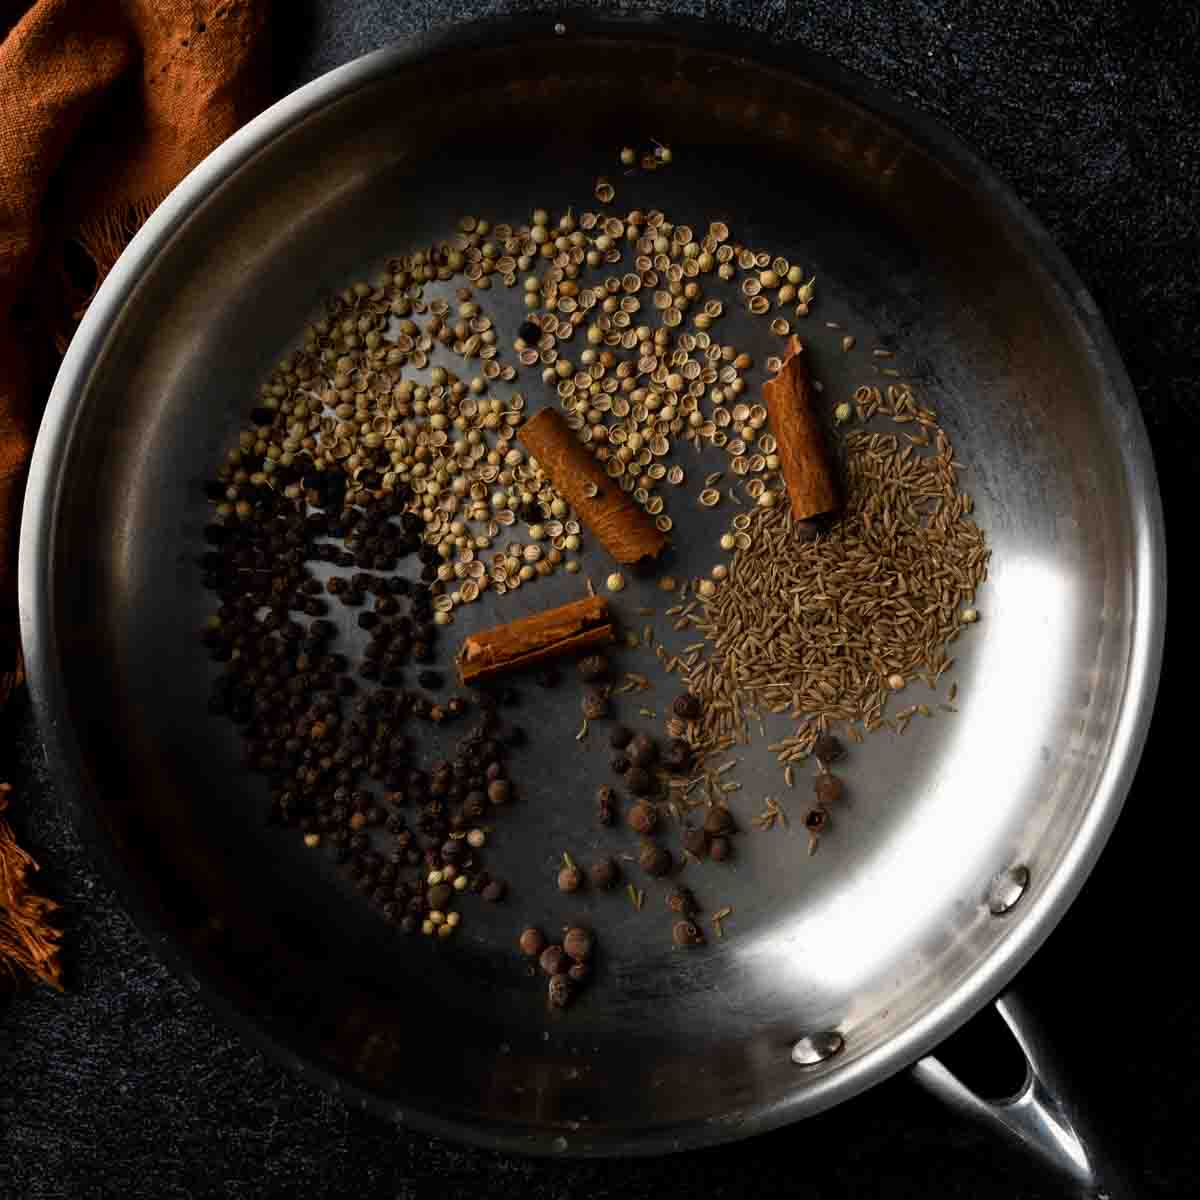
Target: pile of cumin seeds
x: 828, y: 630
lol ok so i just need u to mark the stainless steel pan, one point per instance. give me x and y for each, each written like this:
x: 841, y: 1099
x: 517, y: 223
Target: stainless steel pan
x: 965, y: 841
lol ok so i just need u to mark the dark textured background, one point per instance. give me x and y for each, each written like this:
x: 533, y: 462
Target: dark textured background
x: 126, y: 1087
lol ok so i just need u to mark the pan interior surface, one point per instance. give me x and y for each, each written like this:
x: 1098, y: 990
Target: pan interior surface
x: 869, y: 937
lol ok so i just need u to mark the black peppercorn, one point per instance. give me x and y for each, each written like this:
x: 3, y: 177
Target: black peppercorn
x: 827, y: 749
x: 639, y: 781
x: 828, y: 789
x: 529, y: 332
x: 642, y: 818
x: 642, y: 751
x: 593, y: 668
x: 595, y: 703
x: 619, y: 737
x: 816, y: 820
x: 655, y: 860
x: 686, y: 933
x: 603, y: 873
x: 453, y: 850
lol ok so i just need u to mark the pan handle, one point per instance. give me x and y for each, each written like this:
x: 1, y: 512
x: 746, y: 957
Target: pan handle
x: 1043, y: 1118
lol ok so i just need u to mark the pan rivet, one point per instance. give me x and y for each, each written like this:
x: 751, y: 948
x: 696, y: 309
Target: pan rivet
x: 1007, y: 888
x: 816, y: 1048
x: 560, y: 29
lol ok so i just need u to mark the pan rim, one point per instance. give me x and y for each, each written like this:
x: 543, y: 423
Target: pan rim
x: 995, y: 969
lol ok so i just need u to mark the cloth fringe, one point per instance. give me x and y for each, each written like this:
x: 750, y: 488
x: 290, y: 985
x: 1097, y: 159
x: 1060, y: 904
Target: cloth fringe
x: 28, y: 937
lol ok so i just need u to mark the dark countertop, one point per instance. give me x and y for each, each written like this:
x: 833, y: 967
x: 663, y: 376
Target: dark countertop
x: 127, y: 1087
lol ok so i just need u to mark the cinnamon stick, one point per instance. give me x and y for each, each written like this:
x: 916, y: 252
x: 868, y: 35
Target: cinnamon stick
x: 569, y: 629
x: 804, y: 458
x: 623, y: 527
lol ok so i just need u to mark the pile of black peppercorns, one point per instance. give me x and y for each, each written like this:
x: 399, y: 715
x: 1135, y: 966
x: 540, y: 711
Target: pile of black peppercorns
x: 308, y: 725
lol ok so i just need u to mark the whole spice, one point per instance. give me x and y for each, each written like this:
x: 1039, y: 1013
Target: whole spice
x: 655, y: 860
x: 622, y: 527
x: 578, y: 944
x: 816, y: 820
x: 642, y: 751
x: 553, y: 960
x: 687, y: 707
x: 595, y: 703
x: 677, y: 757
x: 828, y: 789
x: 804, y: 459
x: 558, y: 991
x: 718, y: 821
x: 569, y: 878
x: 643, y: 818
x: 828, y: 749
x: 532, y: 942
x: 499, y: 791
x: 695, y: 841
x: 604, y: 873
x: 580, y: 625
x: 579, y: 972
x: 719, y: 849
x: 686, y: 933
x: 682, y: 901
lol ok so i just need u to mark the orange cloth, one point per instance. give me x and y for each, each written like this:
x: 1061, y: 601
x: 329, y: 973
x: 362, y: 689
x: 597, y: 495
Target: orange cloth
x: 104, y: 106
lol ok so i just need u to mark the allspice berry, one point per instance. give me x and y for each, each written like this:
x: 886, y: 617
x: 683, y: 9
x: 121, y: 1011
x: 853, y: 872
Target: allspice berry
x: 558, y: 991
x: 603, y: 873
x: 828, y: 749
x: 677, y: 757
x: 655, y: 860
x: 553, y: 960
x: 639, y: 781
x: 682, y: 901
x: 828, y: 788
x: 687, y: 706
x: 719, y: 849
x: 595, y: 703
x: 533, y: 942
x: 695, y: 841
x: 643, y: 818
x: 686, y: 933
x: 499, y: 791
x: 642, y: 751
x: 578, y: 944
x: 593, y: 668
x: 620, y: 736
x: 718, y: 820
x: 569, y: 879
